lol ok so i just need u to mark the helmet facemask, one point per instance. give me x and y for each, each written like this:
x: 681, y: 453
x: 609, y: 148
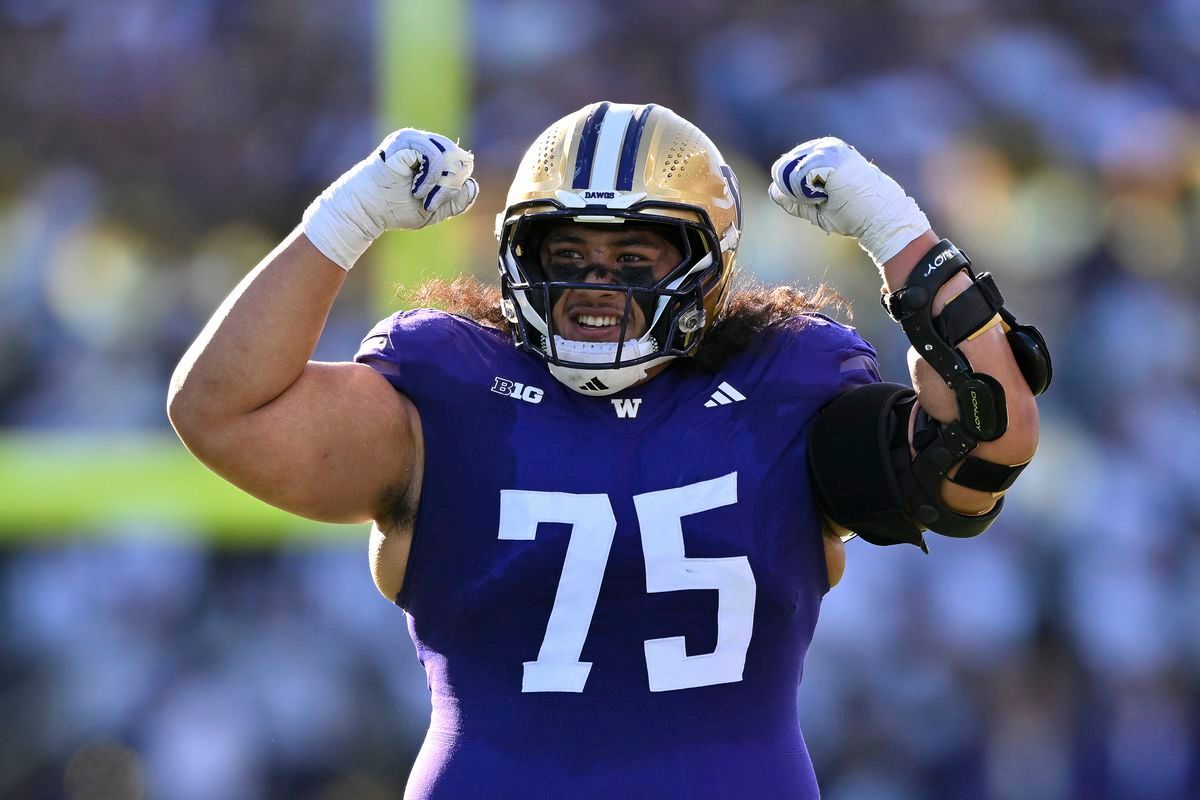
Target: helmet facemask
x: 612, y: 165
x: 672, y: 307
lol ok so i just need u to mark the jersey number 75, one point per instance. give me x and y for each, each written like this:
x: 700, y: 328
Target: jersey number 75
x: 593, y: 526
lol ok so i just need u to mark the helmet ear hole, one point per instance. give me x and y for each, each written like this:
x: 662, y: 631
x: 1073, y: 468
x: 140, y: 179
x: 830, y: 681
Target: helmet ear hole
x: 691, y: 321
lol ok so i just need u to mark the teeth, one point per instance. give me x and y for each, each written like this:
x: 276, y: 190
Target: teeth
x: 596, y: 322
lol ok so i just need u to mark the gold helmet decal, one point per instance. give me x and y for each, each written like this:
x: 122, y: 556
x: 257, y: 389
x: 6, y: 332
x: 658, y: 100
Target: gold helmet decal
x: 613, y: 163
x: 610, y: 151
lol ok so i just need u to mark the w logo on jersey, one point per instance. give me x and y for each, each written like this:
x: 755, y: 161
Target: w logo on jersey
x: 626, y: 408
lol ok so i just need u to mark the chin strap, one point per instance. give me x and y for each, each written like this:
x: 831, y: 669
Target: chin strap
x: 982, y: 411
x: 603, y: 379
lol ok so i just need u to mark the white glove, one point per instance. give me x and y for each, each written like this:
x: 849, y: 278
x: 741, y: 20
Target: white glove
x: 413, y: 179
x: 828, y: 183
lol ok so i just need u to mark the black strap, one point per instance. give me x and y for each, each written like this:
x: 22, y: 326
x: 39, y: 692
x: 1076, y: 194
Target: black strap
x: 912, y: 306
x: 938, y: 447
x: 969, y: 311
x: 982, y: 414
x: 986, y: 476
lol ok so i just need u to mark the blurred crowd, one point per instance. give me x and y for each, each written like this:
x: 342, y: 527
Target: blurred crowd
x: 150, y: 153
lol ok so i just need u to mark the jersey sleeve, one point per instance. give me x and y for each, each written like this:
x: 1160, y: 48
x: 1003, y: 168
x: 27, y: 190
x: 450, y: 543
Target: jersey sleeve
x: 425, y: 353
x: 858, y: 368
x: 856, y: 358
x: 836, y: 352
x: 378, y: 351
x: 808, y: 360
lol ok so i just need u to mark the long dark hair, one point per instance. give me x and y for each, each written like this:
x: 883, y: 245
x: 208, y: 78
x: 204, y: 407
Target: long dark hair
x: 751, y: 309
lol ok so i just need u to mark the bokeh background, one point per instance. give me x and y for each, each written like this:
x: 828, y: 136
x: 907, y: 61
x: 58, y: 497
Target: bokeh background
x: 162, y: 637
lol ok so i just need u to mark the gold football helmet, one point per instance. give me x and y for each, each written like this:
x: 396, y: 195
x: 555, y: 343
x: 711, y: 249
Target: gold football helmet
x: 613, y: 164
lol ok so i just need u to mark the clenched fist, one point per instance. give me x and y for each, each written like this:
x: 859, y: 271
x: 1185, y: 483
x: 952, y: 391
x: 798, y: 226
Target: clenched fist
x: 412, y: 179
x: 830, y: 184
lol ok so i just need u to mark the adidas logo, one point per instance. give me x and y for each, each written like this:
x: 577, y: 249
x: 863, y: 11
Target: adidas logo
x: 724, y: 395
x: 594, y: 385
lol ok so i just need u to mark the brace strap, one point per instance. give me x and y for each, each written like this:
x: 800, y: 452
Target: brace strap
x: 986, y: 476
x: 930, y: 436
x: 968, y: 313
x: 982, y: 414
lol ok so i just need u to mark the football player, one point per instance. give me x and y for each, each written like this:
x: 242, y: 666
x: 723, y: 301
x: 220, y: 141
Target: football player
x: 610, y: 508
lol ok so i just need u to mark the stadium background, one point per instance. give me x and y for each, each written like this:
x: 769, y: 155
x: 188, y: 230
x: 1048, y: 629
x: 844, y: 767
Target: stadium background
x: 163, y: 637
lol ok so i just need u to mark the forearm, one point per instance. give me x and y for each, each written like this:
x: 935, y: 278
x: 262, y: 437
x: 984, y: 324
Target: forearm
x: 259, y: 340
x: 989, y: 353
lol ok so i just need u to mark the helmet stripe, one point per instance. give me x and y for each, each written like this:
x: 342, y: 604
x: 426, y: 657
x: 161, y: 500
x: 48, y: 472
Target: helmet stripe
x: 608, y: 147
x: 732, y: 180
x: 587, y: 146
x: 629, y: 149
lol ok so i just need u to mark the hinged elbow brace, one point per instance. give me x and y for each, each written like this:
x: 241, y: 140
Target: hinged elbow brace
x: 867, y: 479
x: 982, y: 412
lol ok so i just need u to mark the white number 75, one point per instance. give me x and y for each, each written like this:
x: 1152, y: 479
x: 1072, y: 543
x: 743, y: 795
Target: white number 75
x: 660, y: 515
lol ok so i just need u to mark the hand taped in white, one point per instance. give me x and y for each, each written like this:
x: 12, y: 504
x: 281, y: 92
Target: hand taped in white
x: 412, y: 179
x: 830, y: 184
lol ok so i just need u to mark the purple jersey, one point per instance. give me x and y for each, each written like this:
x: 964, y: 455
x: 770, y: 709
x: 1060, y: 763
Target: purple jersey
x: 613, y: 596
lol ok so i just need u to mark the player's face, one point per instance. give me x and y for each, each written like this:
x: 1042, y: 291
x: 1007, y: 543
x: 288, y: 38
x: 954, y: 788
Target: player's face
x: 611, y: 257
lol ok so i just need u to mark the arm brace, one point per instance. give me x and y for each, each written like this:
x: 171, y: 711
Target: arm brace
x: 982, y: 411
x: 866, y: 477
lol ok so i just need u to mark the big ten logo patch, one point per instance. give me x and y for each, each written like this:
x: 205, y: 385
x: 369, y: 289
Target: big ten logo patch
x: 530, y: 394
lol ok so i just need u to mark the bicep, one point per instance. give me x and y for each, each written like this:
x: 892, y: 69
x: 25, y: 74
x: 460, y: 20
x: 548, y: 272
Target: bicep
x: 335, y: 447
x: 835, y: 550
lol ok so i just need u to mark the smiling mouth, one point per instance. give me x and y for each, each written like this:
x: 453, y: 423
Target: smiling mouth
x: 593, y: 325
x: 597, y: 321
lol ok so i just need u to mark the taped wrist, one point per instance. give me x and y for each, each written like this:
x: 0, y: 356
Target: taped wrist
x: 896, y: 223
x: 338, y: 226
